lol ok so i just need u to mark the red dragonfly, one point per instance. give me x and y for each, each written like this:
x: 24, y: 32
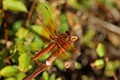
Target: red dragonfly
x: 62, y: 41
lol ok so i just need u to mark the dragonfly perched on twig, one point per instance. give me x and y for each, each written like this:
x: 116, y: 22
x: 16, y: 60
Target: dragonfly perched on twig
x: 62, y: 41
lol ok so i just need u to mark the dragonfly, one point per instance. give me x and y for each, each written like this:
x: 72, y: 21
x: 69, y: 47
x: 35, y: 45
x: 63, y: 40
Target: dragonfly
x: 61, y: 41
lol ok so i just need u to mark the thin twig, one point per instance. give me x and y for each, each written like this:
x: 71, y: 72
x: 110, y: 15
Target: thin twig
x: 4, y: 23
x: 31, y: 11
x: 105, y: 24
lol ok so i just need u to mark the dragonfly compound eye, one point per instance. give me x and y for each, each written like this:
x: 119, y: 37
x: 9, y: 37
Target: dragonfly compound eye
x: 74, y: 38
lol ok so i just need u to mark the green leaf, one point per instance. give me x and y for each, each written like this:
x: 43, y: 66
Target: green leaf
x: 85, y: 77
x: 10, y: 78
x: 87, y: 39
x: 82, y: 4
x: 36, y: 44
x: 58, y: 78
x: 22, y: 33
x: 24, y: 62
x: 78, y: 66
x: 109, y: 68
x: 44, y: 57
x: 8, y: 71
x: 116, y: 64
x: 17, y: 25
x: 14, y: 5
x: 45, y: 75
x: 52, y: 77
x: 59, y: 63
x: 110, y: 3
x: 99, y: 63
x: 14, y: 57
x: 20, y: 76
x: 100, y: 50
x: 21, y: 49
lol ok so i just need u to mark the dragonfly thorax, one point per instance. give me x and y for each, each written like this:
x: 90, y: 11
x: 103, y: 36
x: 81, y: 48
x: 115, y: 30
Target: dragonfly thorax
x: 61, y: 38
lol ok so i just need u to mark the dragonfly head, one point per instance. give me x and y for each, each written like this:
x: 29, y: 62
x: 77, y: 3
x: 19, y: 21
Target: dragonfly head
x: 68, y: 33
x: 73, y: 38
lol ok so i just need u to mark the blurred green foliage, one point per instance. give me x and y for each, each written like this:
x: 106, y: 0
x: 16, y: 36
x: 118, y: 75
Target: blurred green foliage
x: 46, y: 76
x: 78, y: 65
x: 59, y: 64
x: 0, y: 18
x: 15, y: 27
x: 64, y: 24
x: 8, y: 71
x: 28, y: 40
x: 111, y: 67
x: 10, y: 78
x: 82, y: 4
x: 20, y: 33
x: 12, y: 5
x: 108, y: 3
x: 20, y: 75
x: 99, y: 63
x: 87, y: 39
x: 24, y: 62
x: 100, y: 50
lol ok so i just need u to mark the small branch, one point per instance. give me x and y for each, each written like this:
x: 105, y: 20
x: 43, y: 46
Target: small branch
x: 31, y: 11
x: 4, y: 23
x: 105, y: 24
